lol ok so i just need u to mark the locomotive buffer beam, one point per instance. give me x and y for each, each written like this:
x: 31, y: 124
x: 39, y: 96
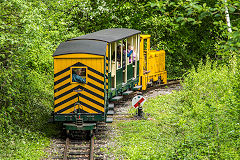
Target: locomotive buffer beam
x: 84, y: 126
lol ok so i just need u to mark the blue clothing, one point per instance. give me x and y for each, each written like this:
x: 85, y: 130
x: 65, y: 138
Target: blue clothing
x: 129, y: 53
x: 77, y: 78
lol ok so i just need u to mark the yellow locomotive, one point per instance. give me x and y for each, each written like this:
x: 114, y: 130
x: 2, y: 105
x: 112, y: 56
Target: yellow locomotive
x: 94, y: 70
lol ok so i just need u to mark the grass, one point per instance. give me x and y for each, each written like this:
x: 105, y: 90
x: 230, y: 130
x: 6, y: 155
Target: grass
x: 19, y: 143
x: 146, y: 139
x: 26, y: 145
x: 199, y: 122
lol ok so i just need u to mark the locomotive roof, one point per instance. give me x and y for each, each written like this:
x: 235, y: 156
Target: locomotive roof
x: 109, y: 35
x: 81, y: 46
x: 94, y: 43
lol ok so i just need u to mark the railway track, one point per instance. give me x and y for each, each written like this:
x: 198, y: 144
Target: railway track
x: 75, y: 149
x: 79, y: 149
x: 83, y: 146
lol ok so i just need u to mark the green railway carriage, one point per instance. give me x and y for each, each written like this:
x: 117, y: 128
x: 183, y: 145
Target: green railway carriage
x: 94, y: 70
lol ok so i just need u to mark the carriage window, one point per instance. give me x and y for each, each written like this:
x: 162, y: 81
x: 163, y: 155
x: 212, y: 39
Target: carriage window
x: 116, y: 55
x: 123, y: 51
x: 119, y: 54
x: 78, y: 74
x: 132, y: 49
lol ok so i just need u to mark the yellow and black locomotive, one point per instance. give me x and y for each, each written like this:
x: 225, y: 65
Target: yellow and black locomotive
x: 94, y: 70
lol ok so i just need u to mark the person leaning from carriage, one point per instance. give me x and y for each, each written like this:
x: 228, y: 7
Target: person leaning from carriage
x: 130, y: 51
x: 76, y: 76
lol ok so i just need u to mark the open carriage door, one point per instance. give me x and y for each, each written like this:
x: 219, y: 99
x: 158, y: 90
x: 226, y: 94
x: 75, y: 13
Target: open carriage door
x: 136, y: 60
x: 116, y: 65
x: 132, y: 57
x: 119, y: 64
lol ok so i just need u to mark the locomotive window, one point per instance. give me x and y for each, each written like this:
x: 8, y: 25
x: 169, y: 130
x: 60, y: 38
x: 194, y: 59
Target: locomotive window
x: 78, y: 74
x: 117, y: 49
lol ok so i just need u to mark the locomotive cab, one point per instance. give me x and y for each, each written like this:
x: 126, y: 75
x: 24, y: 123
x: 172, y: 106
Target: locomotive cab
x: 152, y: 64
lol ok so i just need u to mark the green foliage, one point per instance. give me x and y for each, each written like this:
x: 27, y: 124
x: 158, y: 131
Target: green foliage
x: 22, y: 144
x: 211, y: 107
x: 30, y: 32
x: 199, y: 122
x: 187, y: 30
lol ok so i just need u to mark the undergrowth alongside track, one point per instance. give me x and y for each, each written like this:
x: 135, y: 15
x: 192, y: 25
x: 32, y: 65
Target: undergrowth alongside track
x: 199, y: 122
x: 19, y: 143
x: 24, y: 145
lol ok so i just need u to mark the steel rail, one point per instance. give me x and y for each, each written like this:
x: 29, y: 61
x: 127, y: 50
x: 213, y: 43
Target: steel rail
x: 91, y: 146
x: 66, y: 149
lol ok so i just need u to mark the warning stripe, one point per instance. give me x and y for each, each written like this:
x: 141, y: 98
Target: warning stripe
x: 78, y: 87
x: 86, y: 108
x: 83, y: 110
x: 93, y: 96
x: 61, y: 80
x: 95, y: 79
x: 107, y: 68
x: 75, y: 96
x: 68, y: 84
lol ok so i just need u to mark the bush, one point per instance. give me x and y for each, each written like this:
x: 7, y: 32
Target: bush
x: 30, y: 32
x: 199, y: 122
x: 210, y: 109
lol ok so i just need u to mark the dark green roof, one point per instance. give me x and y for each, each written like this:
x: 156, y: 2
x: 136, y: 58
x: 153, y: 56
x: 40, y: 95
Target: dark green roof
x: 109, y: 35
x: 81, y: 46
x: 94, y: 43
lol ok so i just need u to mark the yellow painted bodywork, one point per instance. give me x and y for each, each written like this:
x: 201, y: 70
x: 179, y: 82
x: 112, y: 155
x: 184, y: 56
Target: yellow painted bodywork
x: 92, y: 97
x: 152, y: 64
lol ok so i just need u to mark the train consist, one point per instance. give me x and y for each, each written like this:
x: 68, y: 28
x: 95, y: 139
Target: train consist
x: 94, y: 70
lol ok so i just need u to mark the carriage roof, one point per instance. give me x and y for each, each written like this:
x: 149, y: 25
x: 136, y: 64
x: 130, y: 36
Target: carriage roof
x: 94, y: 43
